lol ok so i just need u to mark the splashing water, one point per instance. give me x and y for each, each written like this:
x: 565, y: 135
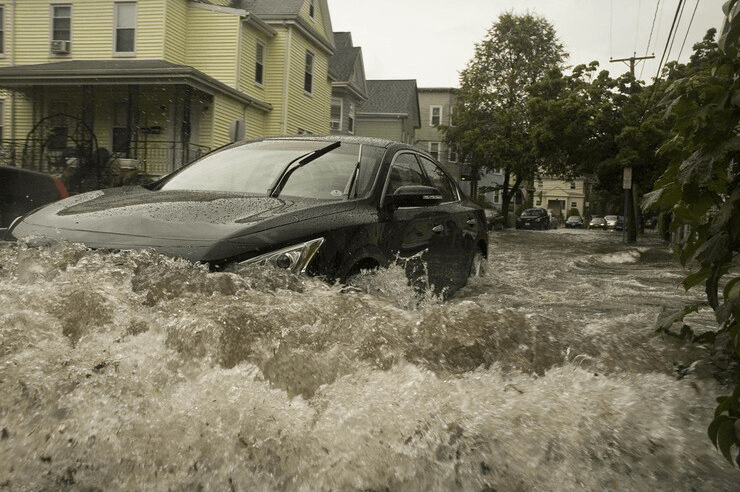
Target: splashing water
x: 132, y: 371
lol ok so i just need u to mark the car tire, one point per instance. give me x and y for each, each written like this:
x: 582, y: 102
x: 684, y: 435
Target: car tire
x: 478, y: 265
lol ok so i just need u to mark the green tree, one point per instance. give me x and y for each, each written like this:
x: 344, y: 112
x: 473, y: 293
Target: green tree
x: 701, y: 189
x: 491, y: 127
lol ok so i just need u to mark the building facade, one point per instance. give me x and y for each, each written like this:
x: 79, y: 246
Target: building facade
x: 349, y: 87
x: 391, y: 111
x: 436, y: 107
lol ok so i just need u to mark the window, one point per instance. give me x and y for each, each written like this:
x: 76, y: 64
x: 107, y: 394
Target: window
x: 404, y: 172
x: 312, y: 8
x: 2, y: 29
x: 351, y: 119
x: 434, y: 149
x: 61, y: 22
x: 452, y: 157
x: 259, y: 64
x: 572, y: 185
x: 540, y: 184
x: 2, y: 119
x: 308, y: 77
x: 125, y: 22
x: 439, y: 180
x: 496, y: 196
x: 336, y: 114
x: 435, y: 115
x: 573, y: 205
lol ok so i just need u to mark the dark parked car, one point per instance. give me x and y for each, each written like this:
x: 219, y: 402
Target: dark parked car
x: 326, y: 206
x: 22, y: 190
x: 574, y: 222
x: 534, y: 218
x: 597, y: 223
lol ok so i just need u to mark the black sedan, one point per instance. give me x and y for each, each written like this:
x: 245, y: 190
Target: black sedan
x: 534, y: 218
x: 574, y: 222
x: 326, y: 206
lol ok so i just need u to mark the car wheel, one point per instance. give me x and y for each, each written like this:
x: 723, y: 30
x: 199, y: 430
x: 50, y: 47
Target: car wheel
x: 478, y: 265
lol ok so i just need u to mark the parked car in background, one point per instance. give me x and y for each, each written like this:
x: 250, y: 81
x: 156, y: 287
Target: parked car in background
x: 534, y: 218
x: 22, y: 190
x: 597, y: 223
x: 574, y: 222
x: 494, y: 220
x: 325, y: 206
x: 614, y: 222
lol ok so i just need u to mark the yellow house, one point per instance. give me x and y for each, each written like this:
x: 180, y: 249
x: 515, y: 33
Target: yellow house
x: 156, y: 83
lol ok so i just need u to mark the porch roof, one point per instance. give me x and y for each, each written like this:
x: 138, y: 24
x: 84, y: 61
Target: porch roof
x: 119, y: 72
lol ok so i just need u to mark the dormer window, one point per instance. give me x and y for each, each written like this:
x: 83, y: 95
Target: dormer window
x: 312, y: 8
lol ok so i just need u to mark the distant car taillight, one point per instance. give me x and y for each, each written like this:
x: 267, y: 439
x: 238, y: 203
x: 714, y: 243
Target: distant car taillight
x: 62, y: 190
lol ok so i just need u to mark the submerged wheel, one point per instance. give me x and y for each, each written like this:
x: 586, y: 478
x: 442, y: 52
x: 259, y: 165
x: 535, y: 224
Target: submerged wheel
x: 478, y: 265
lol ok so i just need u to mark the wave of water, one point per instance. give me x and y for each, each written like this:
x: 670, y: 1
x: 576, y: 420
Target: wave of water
x: 132, y: 371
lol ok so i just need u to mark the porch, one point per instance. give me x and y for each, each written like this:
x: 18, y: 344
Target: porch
x: 145, y: 160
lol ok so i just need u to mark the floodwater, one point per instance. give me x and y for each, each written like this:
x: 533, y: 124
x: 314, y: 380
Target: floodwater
x: 132, y: 371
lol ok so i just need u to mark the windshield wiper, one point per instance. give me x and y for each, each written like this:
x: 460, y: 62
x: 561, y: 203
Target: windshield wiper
x: 289, y: 169
x: 355, y: 174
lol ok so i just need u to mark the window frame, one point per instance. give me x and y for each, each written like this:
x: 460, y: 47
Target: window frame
x: 2, y: 31
x: 118, y: 28
x: 55, y: 17
x: 333, y: 120
x: 259, y: 63
x: 435, y: 153
x: 432, y: 108
x: 351, y: 119
x: 308, y: 74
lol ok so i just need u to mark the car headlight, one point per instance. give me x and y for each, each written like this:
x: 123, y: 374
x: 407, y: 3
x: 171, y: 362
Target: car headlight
x: 294, y: 258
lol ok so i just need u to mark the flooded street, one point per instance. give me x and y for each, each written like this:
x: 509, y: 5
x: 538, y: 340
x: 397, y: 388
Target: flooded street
x: 132, y: 371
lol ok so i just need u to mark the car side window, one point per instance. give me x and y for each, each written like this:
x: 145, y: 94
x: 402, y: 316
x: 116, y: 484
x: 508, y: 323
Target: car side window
x: 439, y: 180
x: 405, y: 171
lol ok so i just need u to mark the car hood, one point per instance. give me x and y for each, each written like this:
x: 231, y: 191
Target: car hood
x: 199, y: 226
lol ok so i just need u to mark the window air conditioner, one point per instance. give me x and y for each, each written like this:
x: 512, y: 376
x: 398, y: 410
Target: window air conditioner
x: 59, y: 47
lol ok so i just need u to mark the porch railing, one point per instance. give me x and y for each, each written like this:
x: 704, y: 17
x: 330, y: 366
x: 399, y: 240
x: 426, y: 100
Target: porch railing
x: 150, y: 158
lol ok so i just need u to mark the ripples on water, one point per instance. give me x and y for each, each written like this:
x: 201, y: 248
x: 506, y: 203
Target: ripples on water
x: 131, y: 371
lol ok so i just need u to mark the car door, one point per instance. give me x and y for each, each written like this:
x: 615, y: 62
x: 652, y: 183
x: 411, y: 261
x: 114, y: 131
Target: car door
x: 409, y: 232
x: 427, y: 236
x: 451, y: 254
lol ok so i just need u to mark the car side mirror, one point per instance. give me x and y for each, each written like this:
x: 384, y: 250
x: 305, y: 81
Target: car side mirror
x: 414, y: 196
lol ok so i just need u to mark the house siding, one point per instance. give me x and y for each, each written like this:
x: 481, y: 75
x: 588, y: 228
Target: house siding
x: 207, y: 29
x: 176, y: 31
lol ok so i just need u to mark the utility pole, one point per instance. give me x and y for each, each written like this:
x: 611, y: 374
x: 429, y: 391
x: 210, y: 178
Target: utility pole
x: 630, y: 212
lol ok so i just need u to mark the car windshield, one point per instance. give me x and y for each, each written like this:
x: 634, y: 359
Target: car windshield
x: 532, y: 211
x: 255, y: 168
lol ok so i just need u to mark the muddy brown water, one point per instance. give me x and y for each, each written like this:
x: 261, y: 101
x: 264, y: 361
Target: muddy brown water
x: 131, y: 371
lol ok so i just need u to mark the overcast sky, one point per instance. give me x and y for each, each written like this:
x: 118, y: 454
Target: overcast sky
x: 432, y: 40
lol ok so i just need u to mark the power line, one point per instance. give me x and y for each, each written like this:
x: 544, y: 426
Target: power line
x: 650, y: 38
x: 688, y: 29
x: 669, y: 41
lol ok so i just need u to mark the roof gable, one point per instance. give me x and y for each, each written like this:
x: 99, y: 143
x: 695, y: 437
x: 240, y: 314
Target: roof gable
x: 397, y: 97
x: 346, y: 65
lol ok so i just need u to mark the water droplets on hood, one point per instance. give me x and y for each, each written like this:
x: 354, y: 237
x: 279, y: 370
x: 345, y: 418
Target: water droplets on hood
x: 131, y: 370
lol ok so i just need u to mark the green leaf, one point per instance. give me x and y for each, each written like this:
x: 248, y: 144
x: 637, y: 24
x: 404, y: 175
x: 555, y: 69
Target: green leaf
x: 726, y: 438
x: 695, y: 279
